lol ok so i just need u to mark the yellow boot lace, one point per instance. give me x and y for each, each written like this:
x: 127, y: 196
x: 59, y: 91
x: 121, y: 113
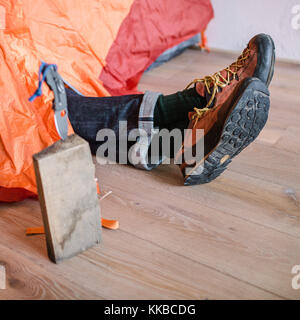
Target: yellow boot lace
x: 217, y: 80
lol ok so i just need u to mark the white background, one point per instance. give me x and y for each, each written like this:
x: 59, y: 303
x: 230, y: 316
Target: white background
x: 236, y: 21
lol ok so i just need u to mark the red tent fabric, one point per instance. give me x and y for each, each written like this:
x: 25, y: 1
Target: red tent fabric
x: 150, y: 28
x: 100, y: 48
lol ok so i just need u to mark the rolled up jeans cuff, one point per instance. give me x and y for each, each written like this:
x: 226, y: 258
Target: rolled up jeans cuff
x: 139, y: 152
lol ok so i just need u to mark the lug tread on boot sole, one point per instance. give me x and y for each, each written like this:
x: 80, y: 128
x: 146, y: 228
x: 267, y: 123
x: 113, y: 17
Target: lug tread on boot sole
x: 241, y: 127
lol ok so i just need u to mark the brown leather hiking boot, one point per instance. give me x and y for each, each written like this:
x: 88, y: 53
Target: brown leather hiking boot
x: 236, y: 110
x: 257, y: 60
x: 228, y: 129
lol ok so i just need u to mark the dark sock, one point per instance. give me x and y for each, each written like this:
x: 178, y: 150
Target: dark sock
x: 172, y: 110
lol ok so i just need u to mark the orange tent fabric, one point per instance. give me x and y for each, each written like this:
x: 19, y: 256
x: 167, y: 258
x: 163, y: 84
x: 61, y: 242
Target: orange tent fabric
x: 78, y: 36
x: 58, y: 32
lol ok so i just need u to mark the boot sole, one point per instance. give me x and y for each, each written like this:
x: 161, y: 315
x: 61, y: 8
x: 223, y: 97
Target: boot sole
x: 244, y: 123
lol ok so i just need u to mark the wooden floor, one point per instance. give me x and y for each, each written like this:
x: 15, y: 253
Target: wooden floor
x: 235, y: 238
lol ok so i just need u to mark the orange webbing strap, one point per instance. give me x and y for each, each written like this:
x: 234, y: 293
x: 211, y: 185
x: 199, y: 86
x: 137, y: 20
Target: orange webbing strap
x: 37, y: 230
x: 97, y: 185
x: 110, y: 224
x: 203, y: 43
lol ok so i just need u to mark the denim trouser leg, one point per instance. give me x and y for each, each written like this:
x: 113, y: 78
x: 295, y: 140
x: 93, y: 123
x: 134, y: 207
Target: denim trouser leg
x: 88, y: 115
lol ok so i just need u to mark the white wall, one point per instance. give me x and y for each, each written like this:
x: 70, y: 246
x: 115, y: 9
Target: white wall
x: 236, y: 21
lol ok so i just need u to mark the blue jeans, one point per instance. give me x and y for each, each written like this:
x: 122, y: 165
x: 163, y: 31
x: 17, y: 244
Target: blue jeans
x: 88, y: 115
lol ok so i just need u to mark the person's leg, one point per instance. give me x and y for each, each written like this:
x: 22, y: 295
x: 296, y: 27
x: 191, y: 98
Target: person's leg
x: 90, y: 114
x: 230, y: 92
x: 171, y: 111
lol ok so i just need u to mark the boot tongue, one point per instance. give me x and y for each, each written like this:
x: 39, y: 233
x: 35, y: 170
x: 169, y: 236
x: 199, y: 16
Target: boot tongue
x: 208, y: 96
x: 202, y: 91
